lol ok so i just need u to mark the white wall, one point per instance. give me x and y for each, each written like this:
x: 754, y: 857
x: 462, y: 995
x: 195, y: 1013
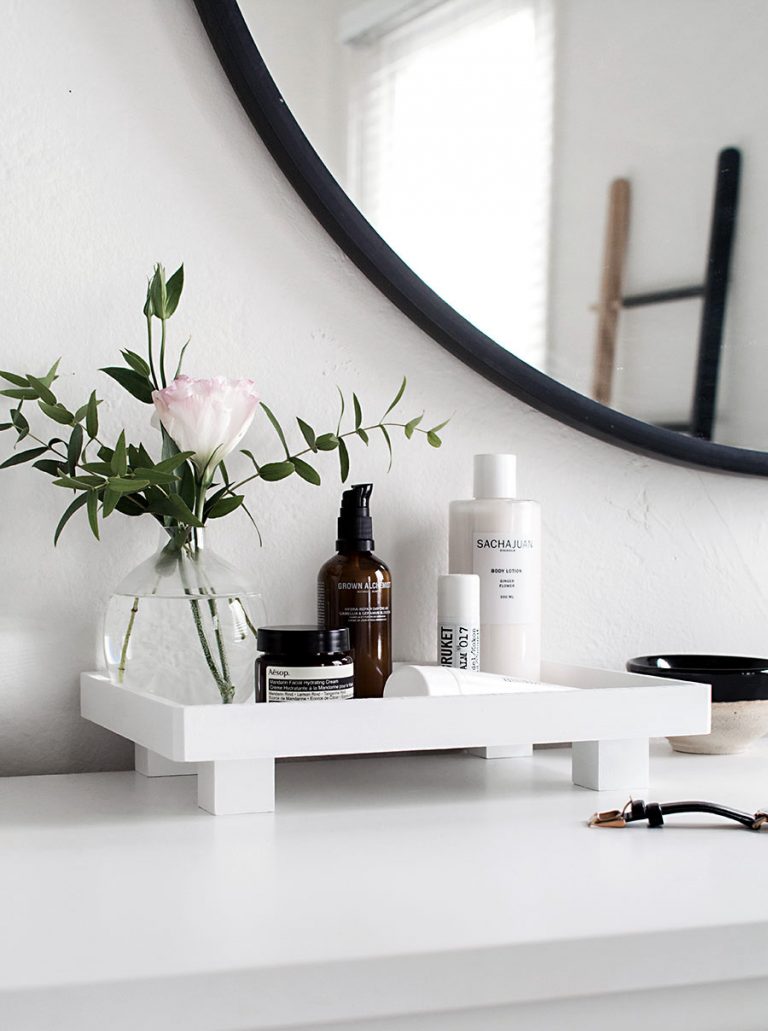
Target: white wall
x: 653, y: 90
x: 122, y: 144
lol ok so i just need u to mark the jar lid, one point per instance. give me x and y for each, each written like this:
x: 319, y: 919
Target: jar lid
x: 304, y: 640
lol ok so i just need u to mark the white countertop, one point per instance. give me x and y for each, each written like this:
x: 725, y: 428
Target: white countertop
x: 380, y: 886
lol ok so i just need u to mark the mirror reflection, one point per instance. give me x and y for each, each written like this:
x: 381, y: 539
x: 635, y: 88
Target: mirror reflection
x: 581, y: 179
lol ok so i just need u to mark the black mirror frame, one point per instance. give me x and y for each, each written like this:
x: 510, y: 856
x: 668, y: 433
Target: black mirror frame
x: 234, y: 45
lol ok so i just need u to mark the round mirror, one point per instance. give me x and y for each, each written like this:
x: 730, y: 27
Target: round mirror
x: 576, y: 184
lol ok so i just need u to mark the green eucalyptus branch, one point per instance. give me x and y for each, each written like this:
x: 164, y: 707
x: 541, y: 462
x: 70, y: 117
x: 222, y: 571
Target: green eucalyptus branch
x: 294, y: 462
x: 125, y: 478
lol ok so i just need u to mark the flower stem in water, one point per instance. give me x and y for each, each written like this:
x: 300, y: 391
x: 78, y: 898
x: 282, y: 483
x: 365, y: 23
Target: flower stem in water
x: 126, y: 639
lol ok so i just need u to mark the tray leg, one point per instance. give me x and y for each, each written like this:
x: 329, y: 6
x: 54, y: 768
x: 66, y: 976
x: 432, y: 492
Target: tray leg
x: 502, y: 751
x: 150, y: 764
x: 611, y: 765
x: 230, y: 786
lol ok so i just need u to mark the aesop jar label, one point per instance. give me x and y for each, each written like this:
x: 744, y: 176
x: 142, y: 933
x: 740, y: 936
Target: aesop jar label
x: 510, y: 577
x: 310, y: 683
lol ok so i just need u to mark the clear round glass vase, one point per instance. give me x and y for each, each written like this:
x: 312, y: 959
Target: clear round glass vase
x: 183, y: 625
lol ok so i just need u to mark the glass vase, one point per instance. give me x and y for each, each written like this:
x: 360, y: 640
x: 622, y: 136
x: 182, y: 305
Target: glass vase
x: 183, y: 625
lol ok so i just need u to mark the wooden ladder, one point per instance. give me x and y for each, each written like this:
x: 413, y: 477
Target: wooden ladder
x: 713, y: 292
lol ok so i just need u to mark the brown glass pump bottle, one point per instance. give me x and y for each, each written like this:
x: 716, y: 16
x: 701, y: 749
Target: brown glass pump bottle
x: 354, y: 590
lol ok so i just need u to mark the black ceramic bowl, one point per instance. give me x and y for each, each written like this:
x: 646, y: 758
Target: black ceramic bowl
x: 733, y: 677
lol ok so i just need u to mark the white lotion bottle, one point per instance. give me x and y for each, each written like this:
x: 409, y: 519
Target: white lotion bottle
x: 497, y: 536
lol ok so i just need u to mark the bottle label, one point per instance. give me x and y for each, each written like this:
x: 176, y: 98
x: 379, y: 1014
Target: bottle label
x: 459, y: 646
x: 310, y: 683
x: 510, y: 577
x: 372, y: 603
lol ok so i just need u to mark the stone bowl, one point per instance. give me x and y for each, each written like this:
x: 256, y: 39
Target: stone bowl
x: 739, y: 698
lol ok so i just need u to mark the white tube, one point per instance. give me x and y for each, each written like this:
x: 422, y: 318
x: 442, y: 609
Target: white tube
x: 411, y: 681
x: 458, y: 621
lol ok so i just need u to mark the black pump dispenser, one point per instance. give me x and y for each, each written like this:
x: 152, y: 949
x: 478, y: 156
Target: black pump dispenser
x: 355, y: 526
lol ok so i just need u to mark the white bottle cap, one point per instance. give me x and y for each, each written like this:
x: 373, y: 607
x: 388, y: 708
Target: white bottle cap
x: 495, y: 476
x: 458, y: 599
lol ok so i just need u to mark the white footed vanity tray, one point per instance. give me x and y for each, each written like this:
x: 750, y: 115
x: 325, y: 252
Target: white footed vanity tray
x: 232, y: 748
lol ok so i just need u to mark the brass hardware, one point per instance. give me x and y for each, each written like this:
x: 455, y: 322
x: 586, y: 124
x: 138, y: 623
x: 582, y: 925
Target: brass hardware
x: 610, y: 818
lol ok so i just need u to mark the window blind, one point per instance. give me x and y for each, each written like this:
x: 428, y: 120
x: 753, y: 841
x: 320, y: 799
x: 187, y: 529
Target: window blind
x: 449, y: 156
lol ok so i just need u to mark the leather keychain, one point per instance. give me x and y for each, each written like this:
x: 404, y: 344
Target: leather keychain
x: 636, y: 810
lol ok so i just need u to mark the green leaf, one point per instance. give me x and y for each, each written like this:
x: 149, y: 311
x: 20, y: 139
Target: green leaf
x: 81, y: 413
x: 187, y: 486
x: 18, y: 381
x: 98, y: 468
x: 119, y: 461
x: 278, y: 428
x: 169, y: 464
x: 131, y: 505
x: 362, y: 435
x: 182, y: 352
x: 137, y: 363
x: 158, y: 291
x: 343, y: 460
x: 224, y: 473
x: 433, y: 439
x: 57, y: 412
x: 93, y: 512
x: 182, y: 511
x: 341, y: 413
x: 224, y: 506
x: 396, y: 401
x: 110, y: 502
x: 20, y: 393
x: 136, y: 385
x: 308, y: 434
x: 385, y: 434
x: 249, y: 454
x: 43, y: 392
x: 169, y: 448
x: 74, y: 449
x: 50, y: 375
x: 411, y: 426
x: 125, y: 485
x: 6, y: 426
x: 276, y: 470
x: 105, y: 453
x: 23, y: 456
x: 92, y: 416
x: 79, y: 482
x: 49, y: 466
x: 358, y: 412
x: 79, y: 501
x: 139, y: 456
x: 439, y: 426
x: 155, y: 476
x: 20, y: 423
x: 327, y: 442
x: 209, y: 501
x: 248, y: 512
x: 173, y: 289
x: 172, y: 505
x: 306, y: 472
